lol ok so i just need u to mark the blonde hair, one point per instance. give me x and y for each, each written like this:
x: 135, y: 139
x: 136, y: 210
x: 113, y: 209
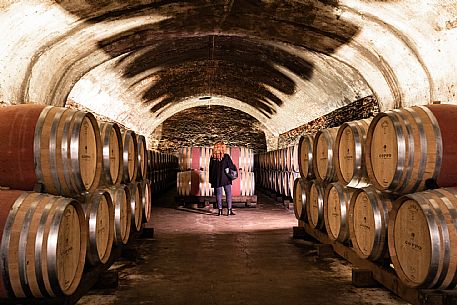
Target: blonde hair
x: 219, y: 150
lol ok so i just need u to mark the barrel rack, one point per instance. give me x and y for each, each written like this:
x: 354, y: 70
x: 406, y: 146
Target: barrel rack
x: 372, y: 272
x: 93, y: 277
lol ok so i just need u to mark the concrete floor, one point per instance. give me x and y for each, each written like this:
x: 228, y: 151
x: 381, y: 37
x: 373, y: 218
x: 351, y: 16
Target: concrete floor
x: 196, y: 257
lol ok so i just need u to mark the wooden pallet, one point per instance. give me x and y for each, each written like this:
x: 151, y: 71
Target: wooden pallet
x: 384, y: 275
x: 204, y: 201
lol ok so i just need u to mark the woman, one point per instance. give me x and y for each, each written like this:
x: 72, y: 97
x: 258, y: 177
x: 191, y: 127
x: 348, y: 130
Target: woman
x: 217, y: 177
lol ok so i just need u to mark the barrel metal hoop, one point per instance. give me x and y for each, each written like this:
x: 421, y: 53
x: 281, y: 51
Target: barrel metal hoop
x: 330, y: 169
x: 106, y: 129
x: 445, y: 242
x: 6, y: 238
x: 65, y: 152
x: 74, y: 151
x: 409, y: 141
x: 53, y: 237
x: 423, y: 147
x: 373, y: 198
x: 401, y: 150
x: 22, y: 260
x: 92, y: 214
x: 358, y: 148
x: 439, y: 141
x: 127, y: 138
x: 453, y: 212
x: 53, y: 149
x: 40, y: 238
x: 37, y: 143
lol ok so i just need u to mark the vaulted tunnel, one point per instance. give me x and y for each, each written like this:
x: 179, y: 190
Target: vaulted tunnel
x: 284, y: 63
x: 256, y: 73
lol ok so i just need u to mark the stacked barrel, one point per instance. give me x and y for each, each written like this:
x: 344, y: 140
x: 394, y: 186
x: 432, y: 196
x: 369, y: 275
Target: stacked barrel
x: 162, y: 170
x: 389, y: 187
x: 193, y: 178
x: 277, y: 169
x: 67, y: 197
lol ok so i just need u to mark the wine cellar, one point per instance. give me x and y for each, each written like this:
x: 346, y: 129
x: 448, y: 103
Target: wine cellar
x: 228, y: 152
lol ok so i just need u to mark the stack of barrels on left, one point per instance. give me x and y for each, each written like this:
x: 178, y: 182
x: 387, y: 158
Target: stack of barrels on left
x: 64, y: 198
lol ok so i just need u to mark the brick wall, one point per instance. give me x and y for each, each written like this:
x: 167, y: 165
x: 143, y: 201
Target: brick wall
x: 360, y: 109
x: 203, y: 126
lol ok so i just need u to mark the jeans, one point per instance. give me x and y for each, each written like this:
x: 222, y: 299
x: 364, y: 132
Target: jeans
x: 228, y: 195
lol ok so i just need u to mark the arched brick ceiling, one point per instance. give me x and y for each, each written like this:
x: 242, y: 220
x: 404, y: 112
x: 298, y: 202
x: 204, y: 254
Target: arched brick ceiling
x: 283, y: 62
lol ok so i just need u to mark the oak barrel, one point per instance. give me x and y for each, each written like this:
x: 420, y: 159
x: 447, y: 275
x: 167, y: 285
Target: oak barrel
x: 129, y: 156
x: 315, y: 205
x: 99, y: 212
x: 146, y: 199
x: 305, y: 156
x: 150, y: 164
x: 336, y: 209
x: 293, y: 158
x: 56, y: 147
x: 423, y: 239
x: 43, y: 246
x: 112, y: 149
x: 323, y: 148
x: 410, y: 146
x: 349, y: 158
x: 301, y: 194
x: 120, y: 195
x: 368, y: 219
x: 136, y: 205
x: 195, y: 157
x: 142, y: 158
x: 291, y: 176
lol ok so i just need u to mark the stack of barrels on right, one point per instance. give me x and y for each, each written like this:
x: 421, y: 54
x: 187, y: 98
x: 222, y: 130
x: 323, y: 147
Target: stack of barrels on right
x: 386, y: 187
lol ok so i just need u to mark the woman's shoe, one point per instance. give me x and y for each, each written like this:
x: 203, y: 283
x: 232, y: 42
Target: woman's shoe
x: 230, y: 212
x: 219, y: 213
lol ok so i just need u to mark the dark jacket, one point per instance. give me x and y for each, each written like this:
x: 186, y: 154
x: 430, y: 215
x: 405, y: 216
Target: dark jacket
x: 217, y: 176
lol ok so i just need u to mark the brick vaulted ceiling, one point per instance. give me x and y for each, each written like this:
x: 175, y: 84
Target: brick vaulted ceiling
x: 282, y: 62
